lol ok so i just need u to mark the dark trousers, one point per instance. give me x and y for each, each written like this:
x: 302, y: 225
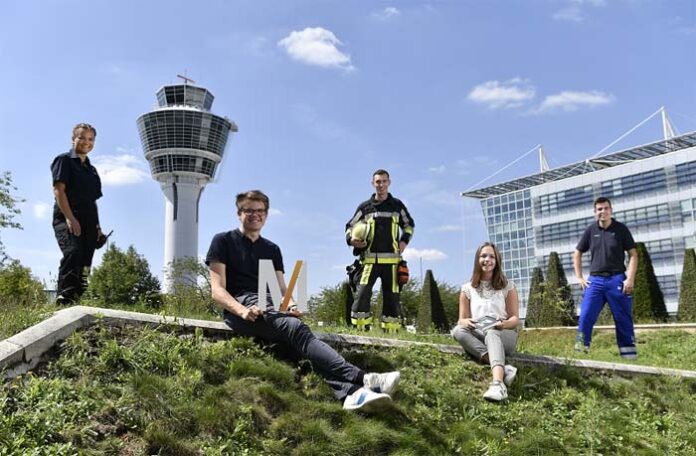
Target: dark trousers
x: 77, y: 259
x: 608, y: 290
x: 390, y: 289
x: 273, y: 326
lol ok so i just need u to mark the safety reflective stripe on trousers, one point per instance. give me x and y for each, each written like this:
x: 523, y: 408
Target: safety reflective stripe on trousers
x: 365, y: 277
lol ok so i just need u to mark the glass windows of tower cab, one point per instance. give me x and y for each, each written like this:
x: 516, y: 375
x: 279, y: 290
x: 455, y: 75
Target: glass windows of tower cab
x: 180, y: 129
x: 181, y: 95
x: 188, y: 163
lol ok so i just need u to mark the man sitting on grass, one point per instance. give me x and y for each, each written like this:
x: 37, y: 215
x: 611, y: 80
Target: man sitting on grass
x: 233, y: 260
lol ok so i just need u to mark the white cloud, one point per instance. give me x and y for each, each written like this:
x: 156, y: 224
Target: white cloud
x: 572, y: 101
x: 273, y: 211
x: 426, y: 254
x: 437, y: 169
x: 512, y: 93
x: 574, y: 11
x: 448, y: 228
x: 571, y: 13
x: 386, y: 14
x: 316, y: 46
x: 124, y: 169
x: 41, y: 210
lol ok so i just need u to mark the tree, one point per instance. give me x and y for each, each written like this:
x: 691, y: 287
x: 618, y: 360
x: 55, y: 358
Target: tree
x: 431, y: 312
x: 687, y: 290
x: 648, y: 300
x: 190, y: 281
x: 17, y: 283
x: 8, y: 208
x: 558, y: 297
x: 535, y: 300
x: 124, y: 278
x: 329, y: 305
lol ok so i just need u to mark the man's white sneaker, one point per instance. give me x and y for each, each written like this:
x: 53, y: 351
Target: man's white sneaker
x: 510, y: 374
x: 367, y: 401
x: 497, y: 391
x: 382, y: 383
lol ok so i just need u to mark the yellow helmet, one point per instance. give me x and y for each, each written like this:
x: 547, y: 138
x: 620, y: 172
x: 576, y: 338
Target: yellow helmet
x: 360, y: 231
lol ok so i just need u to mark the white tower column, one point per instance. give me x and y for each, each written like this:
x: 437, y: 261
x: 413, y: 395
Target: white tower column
x: 181, y: 220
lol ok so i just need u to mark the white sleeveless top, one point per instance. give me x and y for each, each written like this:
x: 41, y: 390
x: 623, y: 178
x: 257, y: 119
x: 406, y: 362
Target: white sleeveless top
x: 485, y: 300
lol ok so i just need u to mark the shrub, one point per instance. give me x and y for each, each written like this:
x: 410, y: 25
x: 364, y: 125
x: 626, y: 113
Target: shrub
x: 535, y: 299
x: 648, y: 301
x: 17, y: 282
x: 329, y: 305
x: 124, y: 278
x: 431, y: 312
x: 687, y: 291
x: 190, y: 292
x: 558, y: 296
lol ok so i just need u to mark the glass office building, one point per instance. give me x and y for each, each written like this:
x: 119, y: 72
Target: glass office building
x: 652, y: 189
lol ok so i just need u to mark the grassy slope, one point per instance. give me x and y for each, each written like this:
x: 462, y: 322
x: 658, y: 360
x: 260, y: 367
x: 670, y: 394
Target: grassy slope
x: 140, y: 391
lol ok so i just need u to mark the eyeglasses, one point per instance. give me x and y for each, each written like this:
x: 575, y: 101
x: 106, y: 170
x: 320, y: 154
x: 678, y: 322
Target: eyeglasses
x: 248, y: 211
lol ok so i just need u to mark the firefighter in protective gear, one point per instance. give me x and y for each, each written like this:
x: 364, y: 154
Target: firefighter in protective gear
x: 389, y: 230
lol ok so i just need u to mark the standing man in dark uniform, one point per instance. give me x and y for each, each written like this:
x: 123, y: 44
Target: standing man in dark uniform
x: 233, y: 260
x: 380, y: 252
x: 609, y: 281
x: 76, y: 187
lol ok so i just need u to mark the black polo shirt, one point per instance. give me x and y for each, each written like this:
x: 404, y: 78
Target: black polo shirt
x: 607, y: 246
x: 241, y: 259
x: 82, y: 186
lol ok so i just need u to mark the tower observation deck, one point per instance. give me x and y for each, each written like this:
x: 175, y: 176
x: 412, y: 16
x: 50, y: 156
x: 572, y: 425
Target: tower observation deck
x: 184, y: 143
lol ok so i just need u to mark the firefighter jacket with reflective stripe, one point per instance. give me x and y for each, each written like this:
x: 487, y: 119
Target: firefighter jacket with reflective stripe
x: 385, y: 219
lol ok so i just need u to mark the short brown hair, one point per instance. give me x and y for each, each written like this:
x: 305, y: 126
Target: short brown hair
x: 601, y: 200
x: 81, y: 126
x: 252, y: 195
x: 381, y: 171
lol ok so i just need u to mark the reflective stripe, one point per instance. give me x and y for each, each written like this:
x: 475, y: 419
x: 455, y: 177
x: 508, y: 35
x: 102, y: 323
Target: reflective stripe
x: 361, y: 322
x: 406, y: 220
x: 408, y: 230
x: 395, y: 283
x: 365, y: 277
x: 395, y: 233
x: 380, y: 260
x: 381, y: 255
x: 355, y: 219
x: 381, y: 214
x: 627, y: 350
x: 370, y: 233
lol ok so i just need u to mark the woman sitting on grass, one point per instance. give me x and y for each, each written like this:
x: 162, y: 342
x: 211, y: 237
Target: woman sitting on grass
x: 489, y: 296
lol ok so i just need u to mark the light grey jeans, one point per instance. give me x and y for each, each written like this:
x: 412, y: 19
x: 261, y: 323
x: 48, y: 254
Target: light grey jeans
x: 497, y: 343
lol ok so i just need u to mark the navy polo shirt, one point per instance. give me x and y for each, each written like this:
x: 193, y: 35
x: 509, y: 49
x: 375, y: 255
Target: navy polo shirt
x: 82, y: 186
x: 607, y: 246
x: 241, y: 256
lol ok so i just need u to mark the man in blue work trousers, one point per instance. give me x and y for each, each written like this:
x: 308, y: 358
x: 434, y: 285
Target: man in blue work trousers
x: 609, y: 281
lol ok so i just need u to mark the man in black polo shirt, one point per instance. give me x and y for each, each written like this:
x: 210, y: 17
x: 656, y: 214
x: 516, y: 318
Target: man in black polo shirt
x: 233, y: 260
x: 609, y: 281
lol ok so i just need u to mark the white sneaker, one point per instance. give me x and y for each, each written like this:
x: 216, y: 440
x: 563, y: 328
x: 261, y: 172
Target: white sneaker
x: 382, y: 383
x: 497, y: 391
x: 367, y: 401
x: 510, y: 374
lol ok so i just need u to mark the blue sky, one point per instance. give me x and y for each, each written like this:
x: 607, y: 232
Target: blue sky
x: 440, y: 93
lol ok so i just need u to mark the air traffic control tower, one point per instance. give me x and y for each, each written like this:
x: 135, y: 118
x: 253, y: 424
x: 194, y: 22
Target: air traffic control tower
x: 184, y: 143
